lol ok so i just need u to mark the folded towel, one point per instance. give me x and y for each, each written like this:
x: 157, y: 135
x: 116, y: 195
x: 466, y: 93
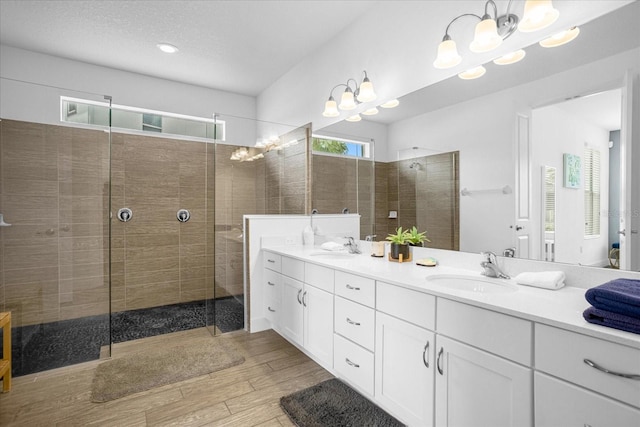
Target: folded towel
x: 618, y: 296
x: 612, y: 320
x: 332, y: 246
x: 543, y: 279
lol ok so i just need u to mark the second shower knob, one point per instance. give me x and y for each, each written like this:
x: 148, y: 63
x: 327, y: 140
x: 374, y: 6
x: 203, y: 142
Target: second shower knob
x: 183, y: 215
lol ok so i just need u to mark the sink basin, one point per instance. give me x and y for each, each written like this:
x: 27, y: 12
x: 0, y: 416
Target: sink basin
x: 332, y: 254
x: 475, y: 284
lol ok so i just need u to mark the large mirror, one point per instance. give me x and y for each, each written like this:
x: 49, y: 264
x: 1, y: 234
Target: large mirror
x: 510, y: 123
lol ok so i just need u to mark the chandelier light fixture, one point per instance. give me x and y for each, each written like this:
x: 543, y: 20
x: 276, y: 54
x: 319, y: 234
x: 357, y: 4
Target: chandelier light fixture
x: 493, y: 28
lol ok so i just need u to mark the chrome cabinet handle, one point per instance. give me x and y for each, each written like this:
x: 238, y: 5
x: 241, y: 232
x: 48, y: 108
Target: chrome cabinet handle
x: 271, y: 261
x: 271, y: 309
x: 299, y: 300
x: 438, y: 361
x: 424, y: 352
x: 606, y: 371
x: 270, y: 284
x: 352, y: 287
x: 351, y: 322
x: 349, y: 362
x: 304, y: 302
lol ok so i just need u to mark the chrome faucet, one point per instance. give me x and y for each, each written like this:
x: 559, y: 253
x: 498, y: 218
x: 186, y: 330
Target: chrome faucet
x: 490, y: 265
x: 352, y: 245
x: 370, y: 237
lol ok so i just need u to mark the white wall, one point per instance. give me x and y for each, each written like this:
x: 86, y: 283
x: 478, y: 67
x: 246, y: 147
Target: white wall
x: 555, y: 132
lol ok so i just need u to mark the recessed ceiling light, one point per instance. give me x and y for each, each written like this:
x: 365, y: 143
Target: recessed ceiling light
x: 167, y: 48
x: 390, y: 104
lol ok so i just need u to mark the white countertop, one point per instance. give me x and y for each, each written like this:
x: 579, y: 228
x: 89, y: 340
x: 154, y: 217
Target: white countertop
x: 561, y: 308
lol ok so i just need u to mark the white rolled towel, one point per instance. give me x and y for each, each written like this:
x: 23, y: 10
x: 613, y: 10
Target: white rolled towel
x: 332, y: 246
x: 542, y: 279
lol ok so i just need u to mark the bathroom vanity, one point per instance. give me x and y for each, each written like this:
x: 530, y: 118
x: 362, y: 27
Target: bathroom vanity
x: 447, y: 346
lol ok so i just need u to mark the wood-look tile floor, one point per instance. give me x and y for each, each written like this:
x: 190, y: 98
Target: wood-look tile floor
x: 244, y: 395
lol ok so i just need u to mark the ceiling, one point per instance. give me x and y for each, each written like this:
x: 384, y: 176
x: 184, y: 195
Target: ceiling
x: 236, y: 46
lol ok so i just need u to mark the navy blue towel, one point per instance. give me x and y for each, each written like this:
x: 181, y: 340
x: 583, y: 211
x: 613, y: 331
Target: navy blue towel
x: 612, y: 320
x: 618, y: 296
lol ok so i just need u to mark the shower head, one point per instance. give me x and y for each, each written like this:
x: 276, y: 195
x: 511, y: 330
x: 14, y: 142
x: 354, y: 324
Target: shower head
x: 414, y: 165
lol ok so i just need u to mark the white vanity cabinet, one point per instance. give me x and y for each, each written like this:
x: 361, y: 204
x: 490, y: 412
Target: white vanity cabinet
x: 482, y: 368
x: 597, y: 380
x: 306, y: 311
x: 404, y: 354
x: 272, y: 286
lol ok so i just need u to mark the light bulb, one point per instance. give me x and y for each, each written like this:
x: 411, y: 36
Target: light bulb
x: 347, y: 102
x: 486, y: 36
x: 366, y: 93
x: 447, y: 54
x: 538, y: 14
x: 331, y: 108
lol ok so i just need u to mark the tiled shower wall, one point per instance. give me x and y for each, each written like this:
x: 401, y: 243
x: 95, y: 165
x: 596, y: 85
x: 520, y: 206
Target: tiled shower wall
x: 54, y: 191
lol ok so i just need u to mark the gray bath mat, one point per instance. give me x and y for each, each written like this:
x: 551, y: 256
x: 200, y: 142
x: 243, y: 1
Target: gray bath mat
x: 332, y: 403
x: 143, y: 371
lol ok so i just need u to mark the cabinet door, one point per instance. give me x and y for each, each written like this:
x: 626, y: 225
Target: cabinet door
x: 318, y: 324
x: 475, y: 388
x: 291, y: 310
x: 404, y: 359
x: 559, y: 403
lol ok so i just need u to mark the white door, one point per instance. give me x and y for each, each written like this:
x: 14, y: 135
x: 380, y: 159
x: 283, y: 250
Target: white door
x: 318, y: 324
x: 522, y: 226
x: 475, y: 388
x: 404, y: 359
x: 291, y: 310
x: 630, y: 176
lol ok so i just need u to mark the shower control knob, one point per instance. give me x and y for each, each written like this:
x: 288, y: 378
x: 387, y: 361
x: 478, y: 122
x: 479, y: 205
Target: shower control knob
x: 125, y: 214
x: 183, y: 215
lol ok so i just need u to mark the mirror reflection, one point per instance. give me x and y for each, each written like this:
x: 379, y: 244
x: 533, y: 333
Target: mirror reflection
x: 504, y: 127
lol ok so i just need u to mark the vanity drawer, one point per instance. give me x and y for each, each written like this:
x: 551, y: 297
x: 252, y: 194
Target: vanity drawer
x: 356, y: 288
x: 318, y: 276
x: 496, y: 333
x: 272, y: 310
x: 559, y: 403
x: 353, y: 363
x: 355, y: 321
x: 562, y: 353
x: 272, y: 261
x: 414, y: 307
x: 293, y: 268
x: 272, y: 281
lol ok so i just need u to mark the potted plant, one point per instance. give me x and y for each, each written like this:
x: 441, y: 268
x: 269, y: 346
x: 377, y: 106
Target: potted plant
x: 399, y: 243
x: 416, y: 238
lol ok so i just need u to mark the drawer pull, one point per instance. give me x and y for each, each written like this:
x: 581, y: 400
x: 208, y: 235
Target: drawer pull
x: 270, y: 284
x: 271, y: 261
x: 271, y: 309
x: 353, y: 288
x: 438, y: 361
x: 299, y: 300
x: 424, y: 352
x: 606, y: 371
x: 351, y: 322
x: 350, y: 363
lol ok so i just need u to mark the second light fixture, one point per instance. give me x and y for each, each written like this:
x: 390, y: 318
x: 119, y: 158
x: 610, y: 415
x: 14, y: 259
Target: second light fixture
x: 351, y: 96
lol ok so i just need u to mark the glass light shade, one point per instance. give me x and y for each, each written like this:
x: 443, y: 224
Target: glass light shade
x: 561, y: 38
x: 366, y: 92
x: 538, y: 14
x: 473, y: 73
x: 355, y: 118
x: 510, y: 58
x: 331, y: 108
x: 370, y: 111
x: 347, y: 102
x: 447, y: 55
x: 486, y: 38
x: 390, y: 104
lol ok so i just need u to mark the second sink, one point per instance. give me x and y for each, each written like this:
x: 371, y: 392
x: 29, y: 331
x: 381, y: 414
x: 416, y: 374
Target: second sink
x: 476, y: 284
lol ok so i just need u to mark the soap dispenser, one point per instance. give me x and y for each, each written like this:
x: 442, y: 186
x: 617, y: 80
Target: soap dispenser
x: 307, y: 236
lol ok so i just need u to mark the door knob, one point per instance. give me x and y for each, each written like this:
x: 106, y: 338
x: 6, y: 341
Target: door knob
x: 622, y: 232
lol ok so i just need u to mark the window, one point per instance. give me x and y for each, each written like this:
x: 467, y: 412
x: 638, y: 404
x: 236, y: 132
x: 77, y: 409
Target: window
x: 340, y: 147
x: 121, y: 117
x: 591, y: 192
x: 550, y: 199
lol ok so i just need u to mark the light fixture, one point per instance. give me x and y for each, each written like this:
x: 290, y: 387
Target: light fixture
x: 167, y: 48
x: 510, y: 58
x: 354, y: 118
x: 447, y: 54
x: 561, y: 38
x: 370, y: 111
x: 351, y: 97
x: 392, y: 103
x: 538, y: 14
x: 486, y: 35
x: 473, y: 73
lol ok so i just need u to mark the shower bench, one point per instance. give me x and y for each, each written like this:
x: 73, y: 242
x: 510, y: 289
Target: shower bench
x: 5, y: 362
